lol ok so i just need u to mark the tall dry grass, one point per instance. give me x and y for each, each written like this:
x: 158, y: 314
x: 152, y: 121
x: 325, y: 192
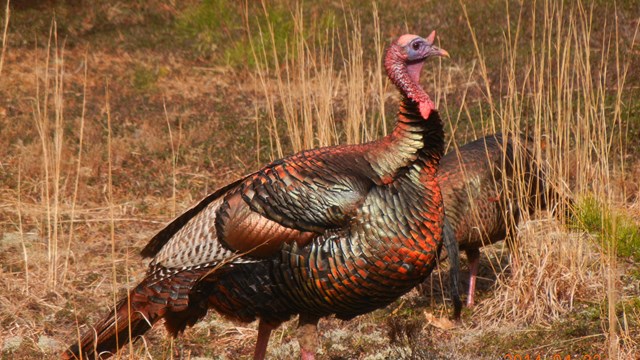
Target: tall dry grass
x: 48, y: 115
x: 304, y: 90
x: 5, y: 30
x: 570, y: 96
x: 308, y: 90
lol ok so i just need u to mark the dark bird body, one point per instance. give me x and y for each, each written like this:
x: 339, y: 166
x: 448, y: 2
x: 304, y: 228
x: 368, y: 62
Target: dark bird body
x: 479, y: 190
x: 341, y: 230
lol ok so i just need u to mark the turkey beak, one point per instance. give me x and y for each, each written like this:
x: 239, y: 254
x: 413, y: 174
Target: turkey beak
x: 435, y: 51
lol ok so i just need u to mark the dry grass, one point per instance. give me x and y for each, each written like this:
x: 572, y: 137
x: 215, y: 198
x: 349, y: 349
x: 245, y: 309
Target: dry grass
x: 574, y: 100
x: 87, y: 177
x: 557, y: 269
x: 4, y: 35
x: 307, y: 91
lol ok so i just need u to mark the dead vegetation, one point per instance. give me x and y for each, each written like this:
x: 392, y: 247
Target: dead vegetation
x: 101, y: 142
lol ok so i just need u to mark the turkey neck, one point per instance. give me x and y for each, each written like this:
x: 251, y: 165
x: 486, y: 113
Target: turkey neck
x: 418, y: 133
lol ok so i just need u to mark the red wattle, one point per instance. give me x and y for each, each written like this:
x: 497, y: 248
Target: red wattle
x: 425, y: 109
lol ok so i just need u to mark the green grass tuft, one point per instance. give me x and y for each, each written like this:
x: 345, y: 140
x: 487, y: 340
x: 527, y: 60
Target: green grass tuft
x: 594, y: 217
x: 145, y: 78
x: 204, y: 26
x: 215, y: 30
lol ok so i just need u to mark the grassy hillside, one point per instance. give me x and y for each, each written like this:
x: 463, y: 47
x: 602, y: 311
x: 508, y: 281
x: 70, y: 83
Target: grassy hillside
x: 116, y: 116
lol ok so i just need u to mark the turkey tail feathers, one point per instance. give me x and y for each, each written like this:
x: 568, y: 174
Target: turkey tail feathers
x: 116, y: 330
x: 164, y: 293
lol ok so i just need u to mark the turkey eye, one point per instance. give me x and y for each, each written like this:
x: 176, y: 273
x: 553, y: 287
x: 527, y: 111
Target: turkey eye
x: 416, y: 46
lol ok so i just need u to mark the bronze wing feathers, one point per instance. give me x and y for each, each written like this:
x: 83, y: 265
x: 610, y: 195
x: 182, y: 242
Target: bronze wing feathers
x: 294, y: 199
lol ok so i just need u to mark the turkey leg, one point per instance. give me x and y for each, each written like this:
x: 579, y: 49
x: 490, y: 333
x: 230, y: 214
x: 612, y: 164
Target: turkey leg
x: 473, y: 256
x: 264, y: 332
x: 308, y: 336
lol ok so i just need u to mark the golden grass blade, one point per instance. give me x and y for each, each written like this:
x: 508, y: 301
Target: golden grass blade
x: 5, y: 30
x: 78, y: 168
x: 174, y: 160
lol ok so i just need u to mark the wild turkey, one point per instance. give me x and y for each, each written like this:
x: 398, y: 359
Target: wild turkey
x: 340, y: 230
x: 479, y: 207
